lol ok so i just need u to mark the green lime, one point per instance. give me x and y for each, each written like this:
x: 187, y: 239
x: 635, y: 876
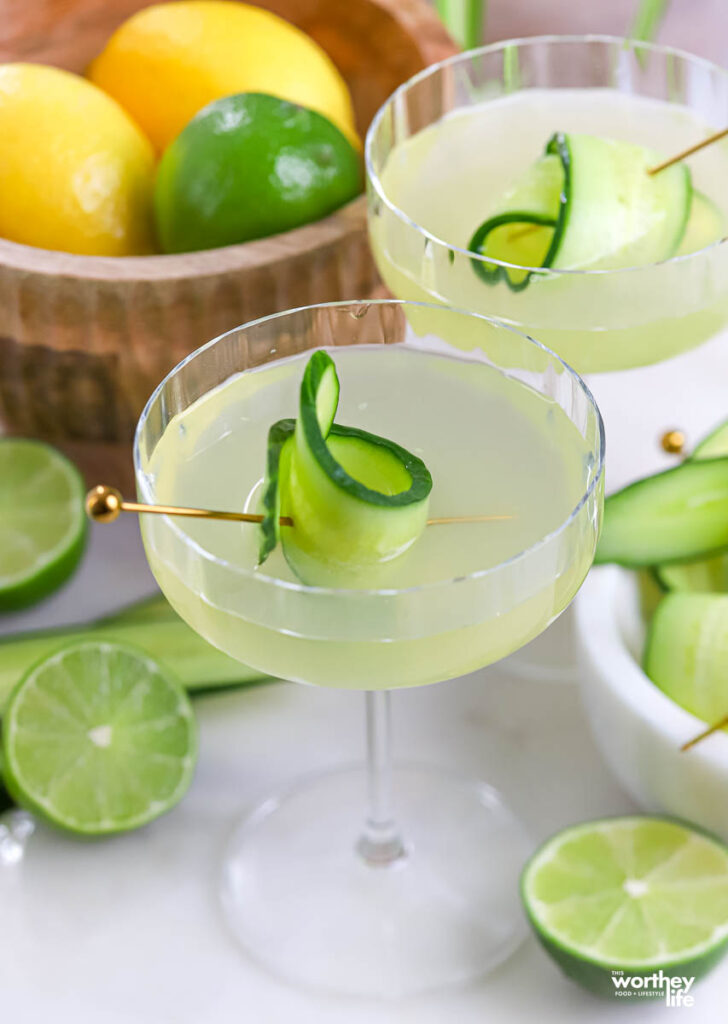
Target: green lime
x: 248, y: 166
x: 97, y: 739
x: 647, y: 897
x: 42, y: 521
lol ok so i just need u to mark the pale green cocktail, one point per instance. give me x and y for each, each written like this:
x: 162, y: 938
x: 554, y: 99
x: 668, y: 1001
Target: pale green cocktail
x: 508, y: 431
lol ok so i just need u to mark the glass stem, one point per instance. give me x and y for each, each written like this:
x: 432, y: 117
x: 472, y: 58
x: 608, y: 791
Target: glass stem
x: 380, y: 843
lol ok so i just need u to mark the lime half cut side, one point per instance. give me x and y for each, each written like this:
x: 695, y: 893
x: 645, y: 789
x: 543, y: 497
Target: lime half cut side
x: 98, y: 739
x: 42, y: 521
x: 635, y: 895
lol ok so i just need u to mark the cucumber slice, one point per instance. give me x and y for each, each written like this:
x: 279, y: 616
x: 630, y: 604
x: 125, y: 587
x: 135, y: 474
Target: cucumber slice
x: 707, y: 575
x: 674, y: 516
x: 587, y: 203
x: 356, y: 499
x: 686, y: 652
x: 706, y: 224
x: 524, y: 233
x: 714, y: 445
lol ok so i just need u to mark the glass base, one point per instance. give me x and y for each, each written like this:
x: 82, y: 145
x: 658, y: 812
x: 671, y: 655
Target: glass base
x: 302, y: 900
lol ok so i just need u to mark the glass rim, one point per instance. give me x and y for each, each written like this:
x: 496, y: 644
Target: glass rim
x: 522, y: 41
x: 288, y: 585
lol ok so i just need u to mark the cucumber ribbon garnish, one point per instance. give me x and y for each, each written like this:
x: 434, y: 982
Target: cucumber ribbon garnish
x: 586, y: 203
x: 355, y: 499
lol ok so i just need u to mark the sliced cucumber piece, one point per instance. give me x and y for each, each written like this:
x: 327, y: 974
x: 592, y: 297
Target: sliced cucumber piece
x: 706, y: 224
x: 355, y: 498
x: 714, y: 445
x: 524, y: 233
x: 587, y: 203
x: 687, y: 652
x: 674, y: 516
x: 706, y: 575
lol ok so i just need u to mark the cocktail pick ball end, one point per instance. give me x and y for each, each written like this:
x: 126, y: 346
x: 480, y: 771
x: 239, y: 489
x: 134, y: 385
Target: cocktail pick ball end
x: 103, y: 504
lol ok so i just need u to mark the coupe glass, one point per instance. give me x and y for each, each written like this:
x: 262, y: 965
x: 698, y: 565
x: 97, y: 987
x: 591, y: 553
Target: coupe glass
x: 597, y: 320
x: 373, y: 880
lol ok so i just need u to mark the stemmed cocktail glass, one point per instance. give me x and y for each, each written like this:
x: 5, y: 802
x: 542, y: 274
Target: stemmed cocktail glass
x: 417, y: 887
x: 431, y: 183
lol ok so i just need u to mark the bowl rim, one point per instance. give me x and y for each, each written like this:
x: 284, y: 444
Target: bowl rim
x: 347, y: 220
x: 613, y: 665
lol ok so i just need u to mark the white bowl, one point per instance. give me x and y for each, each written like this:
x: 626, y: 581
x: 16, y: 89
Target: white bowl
x: 637, y: 728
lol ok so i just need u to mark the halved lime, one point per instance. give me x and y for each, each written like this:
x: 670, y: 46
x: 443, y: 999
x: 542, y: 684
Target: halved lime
x: 42, y: 521
x: 636, y: 895
x: 97, y: 739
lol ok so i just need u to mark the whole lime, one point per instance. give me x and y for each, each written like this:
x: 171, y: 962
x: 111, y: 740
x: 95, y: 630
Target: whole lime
x: 248, y: 166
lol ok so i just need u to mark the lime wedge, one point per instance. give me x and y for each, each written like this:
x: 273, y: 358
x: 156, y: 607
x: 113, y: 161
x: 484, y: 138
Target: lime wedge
x: 42, y: 521
x: 97, y: 739
x: 636, y: 895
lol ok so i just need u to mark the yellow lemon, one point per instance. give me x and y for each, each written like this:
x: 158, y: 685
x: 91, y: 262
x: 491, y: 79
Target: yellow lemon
x: 76, y: 173
x: 169, y: 60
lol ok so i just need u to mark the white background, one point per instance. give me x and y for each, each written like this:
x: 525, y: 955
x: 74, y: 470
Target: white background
x: 127, y: 930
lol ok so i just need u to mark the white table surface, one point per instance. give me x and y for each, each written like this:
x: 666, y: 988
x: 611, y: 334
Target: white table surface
x: 127, y: 930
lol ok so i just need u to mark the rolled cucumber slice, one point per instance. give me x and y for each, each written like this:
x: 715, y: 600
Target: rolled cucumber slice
x: 587, y: 203
x: 355, y: 498
x: 675, y: 516
x: 686, y: 652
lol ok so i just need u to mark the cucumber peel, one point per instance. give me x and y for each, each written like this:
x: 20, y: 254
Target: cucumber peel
x: 151, y: 625
x: 355, y: 498
x: 587, y: 203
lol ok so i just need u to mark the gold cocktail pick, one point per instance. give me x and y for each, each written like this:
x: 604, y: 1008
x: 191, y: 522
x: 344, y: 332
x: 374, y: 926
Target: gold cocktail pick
x: 105, y: 504
x: 715, y: 727
x: 715, y: 137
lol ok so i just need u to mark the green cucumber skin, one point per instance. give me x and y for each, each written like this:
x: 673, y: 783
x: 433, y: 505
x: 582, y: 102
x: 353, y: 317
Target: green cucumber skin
x: 199, y: 666
x: 306, y: 482
x: 310, y: 435
x: 320, y: 390
x: 341, y: 521
x: 270, y: 529
x: 493, y: 273
x: 559, y: 145
x: 702, y: 539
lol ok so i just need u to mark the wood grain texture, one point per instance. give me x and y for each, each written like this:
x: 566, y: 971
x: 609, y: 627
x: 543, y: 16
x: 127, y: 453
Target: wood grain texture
x: 84, y: 340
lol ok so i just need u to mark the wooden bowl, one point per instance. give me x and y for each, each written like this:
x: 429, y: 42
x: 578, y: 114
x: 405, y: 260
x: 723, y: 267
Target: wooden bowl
x: 84, y: 339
